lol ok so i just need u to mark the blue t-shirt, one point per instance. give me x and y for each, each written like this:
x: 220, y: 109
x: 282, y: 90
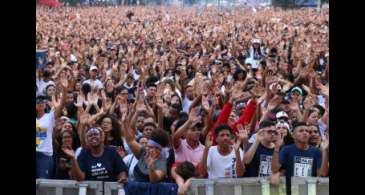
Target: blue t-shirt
x: 104, y: 168
x: 301, y: 163
x: 260, y: 166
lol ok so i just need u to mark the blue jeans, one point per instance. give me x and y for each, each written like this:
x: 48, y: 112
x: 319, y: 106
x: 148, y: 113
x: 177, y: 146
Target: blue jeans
x: 44, y: 166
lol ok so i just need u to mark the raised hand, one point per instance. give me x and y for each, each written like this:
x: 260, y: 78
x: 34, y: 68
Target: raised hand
x: 80, y: 100
x: 279, y: 141
x: 205, y: 103
x: 107, y: 104
x: 64, y: 81
x: 260, y: 136
x: 93, y: 98
x: 325, y: 143
x: 84, y: 118
x: 152, y: 157
x: 208, y: 140
x: 55, y: 103
x: 242, y: 134
x: 194, y: 116
x: 69, y: 152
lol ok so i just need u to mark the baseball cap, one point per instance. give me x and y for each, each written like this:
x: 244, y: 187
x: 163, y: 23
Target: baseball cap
x: 41, y: 99
x: 93, y: 68
x: 296, y: 89
x: 73, y: 58
x: 283, y: 124
x: 256, y: 41
x: 281, y: 114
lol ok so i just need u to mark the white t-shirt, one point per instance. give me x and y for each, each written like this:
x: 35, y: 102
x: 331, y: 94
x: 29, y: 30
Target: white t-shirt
x: 186, y: 104
x: 95, y: 82
x: 131, y: 161
x: 219, y: 166
x: 41, y: 86
x: 44, y: 129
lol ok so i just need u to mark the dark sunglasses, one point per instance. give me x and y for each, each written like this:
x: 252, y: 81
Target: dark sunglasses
x: 40, y: 101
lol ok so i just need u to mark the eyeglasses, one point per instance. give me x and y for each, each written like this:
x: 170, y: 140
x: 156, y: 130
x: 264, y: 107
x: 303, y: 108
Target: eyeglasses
x: 313, y: 132
x: 272, y: 131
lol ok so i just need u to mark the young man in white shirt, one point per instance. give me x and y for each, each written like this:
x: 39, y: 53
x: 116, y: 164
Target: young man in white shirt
x: 224, y: 160
x: 93, y: 81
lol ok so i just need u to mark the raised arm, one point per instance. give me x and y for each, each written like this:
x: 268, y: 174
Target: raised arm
x: 193, y: 119
x: 323, y: 172
x: 251, y: 152
x: 203, y: 164
x: 275, y: 164
x: 129, y: 136
x: 76, y: 172
x: 58, y: 108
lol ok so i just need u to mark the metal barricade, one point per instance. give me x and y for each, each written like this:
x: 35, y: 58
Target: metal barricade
x: 113, y: 188
x: 310, y: 186
x: 236, y: 186
x: 239, y: 186
x: 68, y: 187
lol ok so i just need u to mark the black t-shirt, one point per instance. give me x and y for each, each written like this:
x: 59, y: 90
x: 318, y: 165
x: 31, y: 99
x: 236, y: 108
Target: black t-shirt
x: 116, y: 142
x: 260, y: 166
x: 71, y: 111
x: 62, y: 166
x: 167, y: 123
x: 104, y: 168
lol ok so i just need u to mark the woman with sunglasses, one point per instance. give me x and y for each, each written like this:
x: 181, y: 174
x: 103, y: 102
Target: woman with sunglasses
x: 45, y: 123
x: 97, y: 162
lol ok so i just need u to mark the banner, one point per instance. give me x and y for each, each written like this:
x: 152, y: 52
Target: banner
x: 41, y: 58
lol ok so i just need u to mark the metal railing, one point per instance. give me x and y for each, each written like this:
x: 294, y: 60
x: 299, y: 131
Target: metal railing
x: 259, y: 186
x: 239, y: 186
x: 68, y: 187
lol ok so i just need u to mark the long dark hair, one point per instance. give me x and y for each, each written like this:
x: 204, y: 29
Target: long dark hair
x: 75, y: 139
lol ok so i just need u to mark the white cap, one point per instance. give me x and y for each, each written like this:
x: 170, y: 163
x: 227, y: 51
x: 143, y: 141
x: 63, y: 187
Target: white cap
x: 286, y: 125
x: 256, y: 41
x: 281, y: 114
x: 73, y: 58
x: 93, y: 68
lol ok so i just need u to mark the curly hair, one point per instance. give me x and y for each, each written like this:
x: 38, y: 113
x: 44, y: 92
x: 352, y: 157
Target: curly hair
x: 116, y: 132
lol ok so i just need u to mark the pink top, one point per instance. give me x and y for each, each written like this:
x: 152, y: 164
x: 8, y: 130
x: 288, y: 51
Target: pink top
x: 186, y: 153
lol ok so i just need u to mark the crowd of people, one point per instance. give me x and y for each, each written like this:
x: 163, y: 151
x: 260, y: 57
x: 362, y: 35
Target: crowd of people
x: 164, y: 94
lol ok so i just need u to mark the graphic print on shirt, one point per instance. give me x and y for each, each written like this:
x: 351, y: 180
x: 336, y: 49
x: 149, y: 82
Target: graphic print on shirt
x: 265, y: 165
x: 99, y: 171
x: 41, y: 134
x: 303, y: 166
x: 230, y: 171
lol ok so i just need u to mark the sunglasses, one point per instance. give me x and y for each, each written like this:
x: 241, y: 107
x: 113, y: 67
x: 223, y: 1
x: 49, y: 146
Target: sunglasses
x: 40, y: 101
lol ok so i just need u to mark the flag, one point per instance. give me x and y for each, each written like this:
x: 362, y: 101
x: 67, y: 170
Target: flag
x: 41, y: 58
